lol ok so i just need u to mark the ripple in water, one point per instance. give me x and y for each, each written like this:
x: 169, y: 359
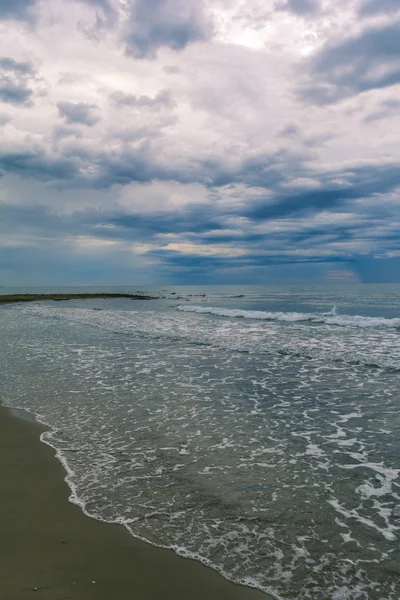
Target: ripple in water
x: 277, y: 464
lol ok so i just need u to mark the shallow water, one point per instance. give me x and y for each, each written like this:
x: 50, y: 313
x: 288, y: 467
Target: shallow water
x: 254, y: 428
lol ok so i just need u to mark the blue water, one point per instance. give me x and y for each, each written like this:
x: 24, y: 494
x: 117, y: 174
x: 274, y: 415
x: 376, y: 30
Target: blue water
x: 254, y: 428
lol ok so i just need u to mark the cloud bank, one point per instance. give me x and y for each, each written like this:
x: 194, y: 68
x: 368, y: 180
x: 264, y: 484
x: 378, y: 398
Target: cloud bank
x: 171, y: 141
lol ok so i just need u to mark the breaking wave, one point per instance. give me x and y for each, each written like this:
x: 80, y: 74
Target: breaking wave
x: 329, y: 318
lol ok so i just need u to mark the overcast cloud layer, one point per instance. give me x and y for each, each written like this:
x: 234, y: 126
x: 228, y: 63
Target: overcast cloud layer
x: 185, y: 141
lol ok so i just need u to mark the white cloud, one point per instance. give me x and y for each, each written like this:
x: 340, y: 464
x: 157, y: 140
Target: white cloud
x: 199, y: 134
x: 204, y: 250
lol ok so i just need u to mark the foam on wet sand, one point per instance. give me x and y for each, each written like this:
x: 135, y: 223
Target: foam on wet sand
x: 49, y: 547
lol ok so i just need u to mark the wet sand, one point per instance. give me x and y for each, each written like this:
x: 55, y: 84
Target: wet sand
x: 48, y: 543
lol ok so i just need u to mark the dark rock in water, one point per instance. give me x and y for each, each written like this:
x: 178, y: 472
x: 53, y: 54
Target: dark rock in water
x: 9, y: 298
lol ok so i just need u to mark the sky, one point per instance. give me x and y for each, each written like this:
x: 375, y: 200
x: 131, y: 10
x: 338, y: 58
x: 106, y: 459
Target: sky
x: 165, y: 142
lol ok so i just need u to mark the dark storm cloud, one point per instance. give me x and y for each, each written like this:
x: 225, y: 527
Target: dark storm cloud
x: 368, y: 61
x: 201, y: 220
x: 83, y: 167
x: 132, y: 164
x: 78, y: 112
x: 40, y: 220
x: 362, y: 182
x: 13, y: 93
x: 107, y: 224
x: 194, y: 224
x: 208, y: 264
x: 374, y: 7
x: 102, y: 169
x: 300, y: 7
x: 62, y: 132
x: 189, y: 220
x: 263, y: 170
x: 193, y: 263
x: 38, y: 165
x: 141, y: 164
x: 163, y: 99
x: 16, y: 9
x: 154, y: 24
x: 9, y: 64
x: 14, y: 81
x: 302, y: 203
x: 96, y: 223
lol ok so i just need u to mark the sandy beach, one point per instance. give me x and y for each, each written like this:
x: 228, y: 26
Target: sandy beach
x: 50, y: 550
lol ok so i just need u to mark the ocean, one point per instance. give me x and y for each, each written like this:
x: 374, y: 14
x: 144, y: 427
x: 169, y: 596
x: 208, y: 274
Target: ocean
x: 253, y: 428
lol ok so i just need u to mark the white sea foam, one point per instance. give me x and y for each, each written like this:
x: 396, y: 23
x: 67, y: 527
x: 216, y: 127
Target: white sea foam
x: 330, y: 318
x: 372, y: 346
x: 226, y: 457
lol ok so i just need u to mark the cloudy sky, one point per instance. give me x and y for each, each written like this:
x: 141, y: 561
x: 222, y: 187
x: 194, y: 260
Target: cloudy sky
x: 194, y: 141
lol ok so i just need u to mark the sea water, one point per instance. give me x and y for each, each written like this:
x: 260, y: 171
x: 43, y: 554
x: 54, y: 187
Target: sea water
x: 254, y: 428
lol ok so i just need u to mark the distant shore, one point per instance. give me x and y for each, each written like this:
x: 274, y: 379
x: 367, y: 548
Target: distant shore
x: 49, y: 549
x: 11, y: 298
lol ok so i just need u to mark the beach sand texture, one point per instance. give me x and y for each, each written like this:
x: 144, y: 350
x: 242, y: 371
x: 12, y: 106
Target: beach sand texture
x: 49, y: 544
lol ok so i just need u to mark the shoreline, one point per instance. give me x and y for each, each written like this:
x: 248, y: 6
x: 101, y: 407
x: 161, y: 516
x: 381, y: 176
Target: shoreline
x: 48, y: 543
x: 12, y: 298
